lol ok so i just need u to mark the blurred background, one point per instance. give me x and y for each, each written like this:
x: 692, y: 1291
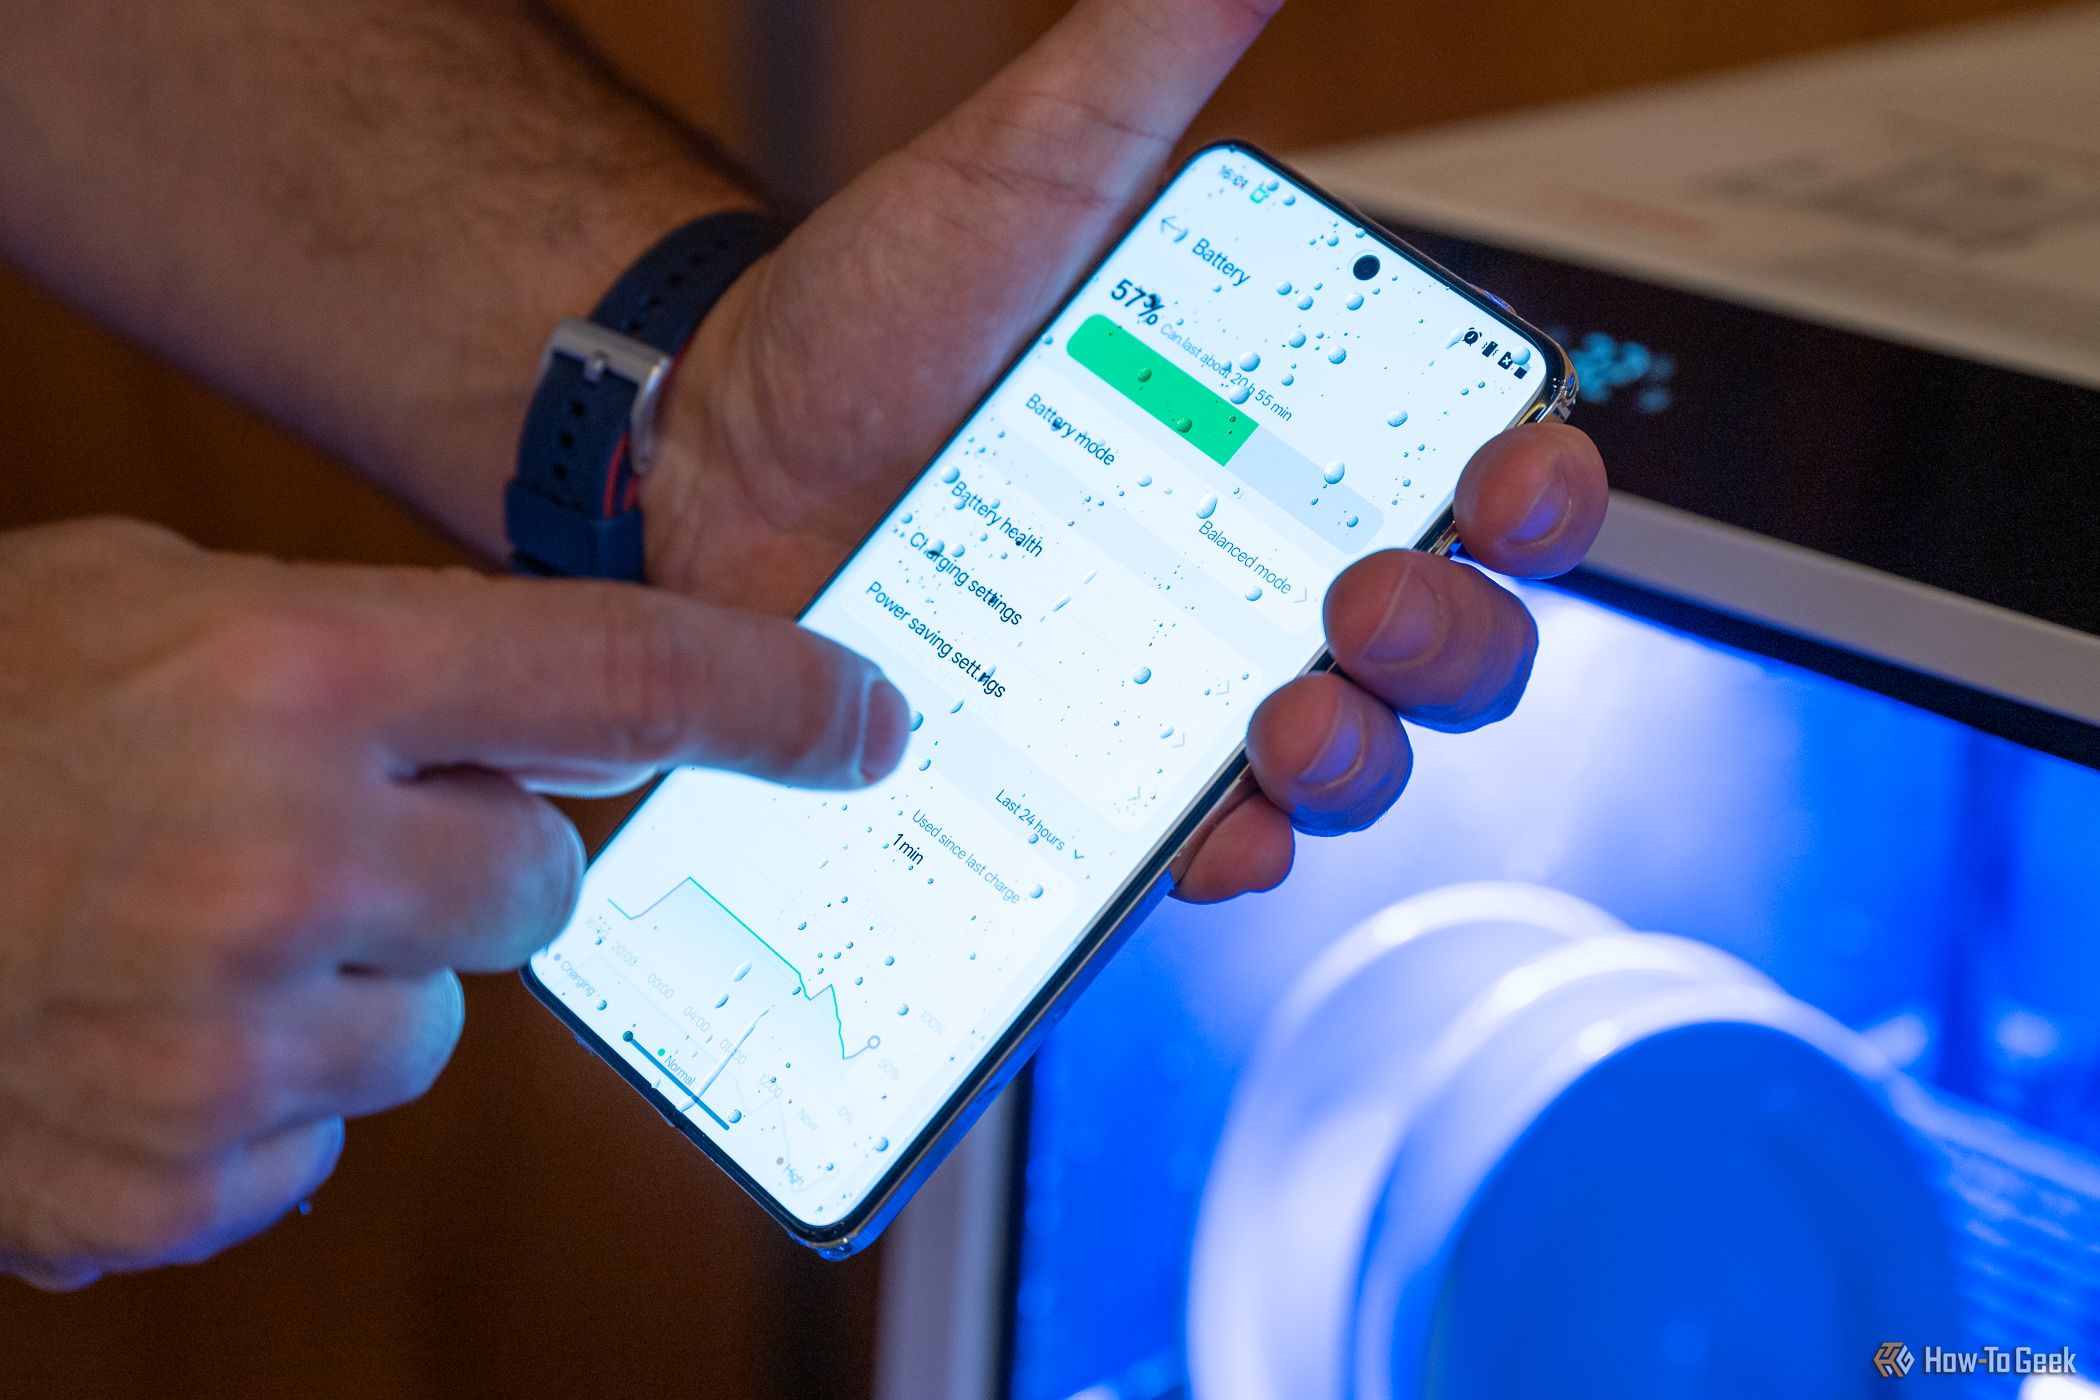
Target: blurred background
x: 530, y: 1228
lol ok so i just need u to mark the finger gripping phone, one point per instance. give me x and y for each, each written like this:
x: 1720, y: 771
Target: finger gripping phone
x: 1121, y: 552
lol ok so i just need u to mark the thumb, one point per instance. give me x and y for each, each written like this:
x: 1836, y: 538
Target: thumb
x: 961, y: 242
x: 585, y: 686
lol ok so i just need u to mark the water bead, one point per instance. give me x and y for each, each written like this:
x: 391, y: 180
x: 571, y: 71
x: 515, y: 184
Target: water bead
x: 1250, y: 361
x: 1337, y: 355
x: 1335, y: 471
x: 1395, y: 420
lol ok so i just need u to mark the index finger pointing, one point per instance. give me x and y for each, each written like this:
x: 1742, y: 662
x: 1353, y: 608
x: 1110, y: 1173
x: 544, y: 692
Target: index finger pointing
x: 614, y: 682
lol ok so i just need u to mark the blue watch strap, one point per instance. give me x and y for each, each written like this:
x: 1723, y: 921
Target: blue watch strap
x: 588, y: 433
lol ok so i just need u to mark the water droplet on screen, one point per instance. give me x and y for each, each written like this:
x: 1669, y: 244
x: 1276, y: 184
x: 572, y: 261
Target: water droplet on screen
x: 1241, y: 394
x: 1182, y: 425
x: 1297, y: 339
x: 1167, y: 733
x: 1521, y: 355
x: 1355, y: 302
x: 1253, y: 592
x: 743, y: 970
x: 1145, y: 480
x: 1289, y: 380
x: 601, y: 1003
x: 1250, y: 361
x: 924, y: 764
x: 1144, y: 376
x: 1334, y: 240
x: 1206, y: 507
x: 1141, y: 675
x: 1305, y: 303
x: 1035, y: 891
x: 801, y: 926
x: 1058, y: 606
x: 1350, y: 521
x: 956, y: 708
x: 882, y: 1144
x: 950, y: 472
x: 1283, y: 289
x: 1334, y: 472
x: 735, y: 1115
x: 903, y: 1009
x: 890, y: 961
x: 721, y: 1001
x: 904, y: 519
x: 1337, y: 355
x: 1396, y: 419
x: 1290, y: 199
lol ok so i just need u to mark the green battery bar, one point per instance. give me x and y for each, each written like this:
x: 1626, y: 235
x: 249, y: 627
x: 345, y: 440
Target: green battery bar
x: 1161, y: 388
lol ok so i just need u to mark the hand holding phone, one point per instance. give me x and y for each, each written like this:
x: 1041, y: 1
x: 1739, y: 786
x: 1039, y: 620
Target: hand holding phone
x: 1090, y: 592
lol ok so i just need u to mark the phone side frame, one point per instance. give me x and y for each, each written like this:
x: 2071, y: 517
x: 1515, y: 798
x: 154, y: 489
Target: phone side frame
x: 1148, y: 883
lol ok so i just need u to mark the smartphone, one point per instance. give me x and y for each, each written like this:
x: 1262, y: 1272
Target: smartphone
x: 1122, y: 550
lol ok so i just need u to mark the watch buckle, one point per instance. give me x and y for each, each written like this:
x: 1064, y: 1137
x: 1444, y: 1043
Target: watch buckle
x: 602, y: 351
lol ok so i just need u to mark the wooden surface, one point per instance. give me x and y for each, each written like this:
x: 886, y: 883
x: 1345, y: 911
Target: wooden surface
x: 531, y: 1228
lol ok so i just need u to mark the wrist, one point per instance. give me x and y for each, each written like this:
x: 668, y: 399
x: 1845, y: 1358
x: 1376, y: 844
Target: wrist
x: 458, y: 443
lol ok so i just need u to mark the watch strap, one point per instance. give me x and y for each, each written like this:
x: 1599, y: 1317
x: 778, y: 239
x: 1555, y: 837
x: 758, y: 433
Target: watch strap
x: 589, y: 432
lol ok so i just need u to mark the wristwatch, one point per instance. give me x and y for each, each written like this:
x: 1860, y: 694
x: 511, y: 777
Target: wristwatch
x: 590, y: 432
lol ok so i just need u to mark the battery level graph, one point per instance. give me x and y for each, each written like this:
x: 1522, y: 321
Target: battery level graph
x: 738, y: 981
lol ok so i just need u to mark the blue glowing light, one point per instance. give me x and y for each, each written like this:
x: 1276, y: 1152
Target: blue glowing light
x: 1925, y: 884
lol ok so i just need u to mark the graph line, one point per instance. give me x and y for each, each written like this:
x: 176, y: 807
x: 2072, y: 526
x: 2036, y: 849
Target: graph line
x: 801, y: 983
x: 665, y: 1071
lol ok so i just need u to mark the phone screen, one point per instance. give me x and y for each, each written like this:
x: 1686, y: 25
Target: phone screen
x: 1084, y: 598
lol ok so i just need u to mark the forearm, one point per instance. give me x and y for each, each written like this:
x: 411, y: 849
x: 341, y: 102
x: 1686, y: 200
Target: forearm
x: 363, y: 217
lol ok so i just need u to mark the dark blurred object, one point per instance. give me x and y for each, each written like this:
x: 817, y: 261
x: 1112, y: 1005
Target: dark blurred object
x: 530, y: 1228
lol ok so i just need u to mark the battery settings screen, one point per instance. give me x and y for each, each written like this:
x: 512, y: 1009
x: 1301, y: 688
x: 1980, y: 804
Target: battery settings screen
x: 1084, y: 598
